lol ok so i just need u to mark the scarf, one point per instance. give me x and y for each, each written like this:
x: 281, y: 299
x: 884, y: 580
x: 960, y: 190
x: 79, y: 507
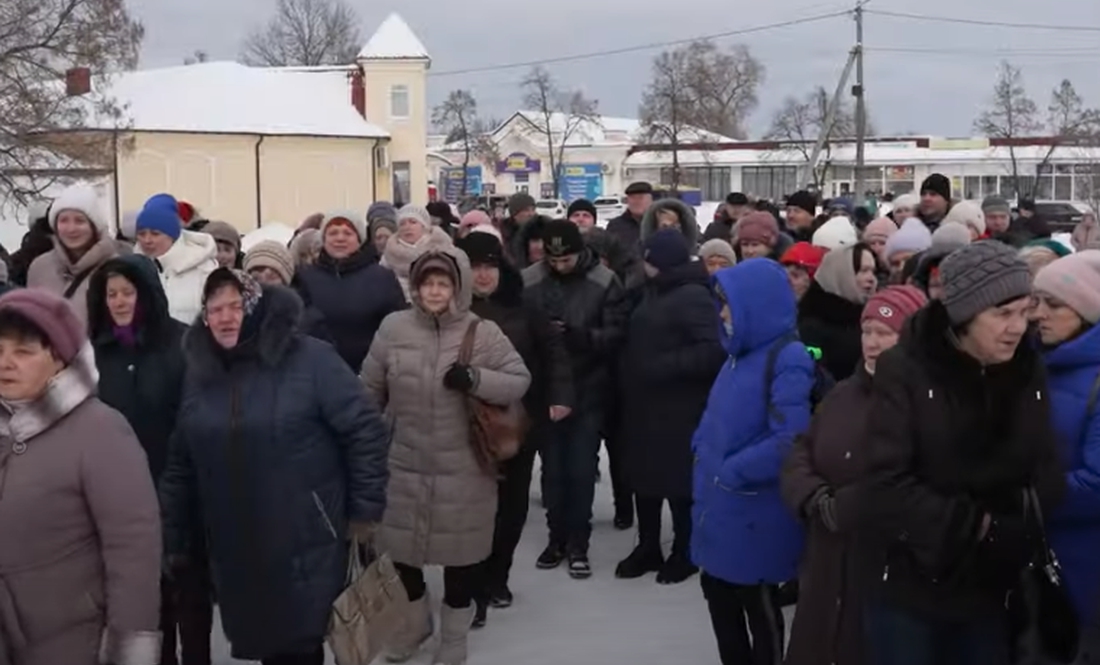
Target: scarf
x: 71, y: 387
x: 127, y: 335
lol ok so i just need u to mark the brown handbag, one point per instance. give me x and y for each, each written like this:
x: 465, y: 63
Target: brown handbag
x: 496, y: 432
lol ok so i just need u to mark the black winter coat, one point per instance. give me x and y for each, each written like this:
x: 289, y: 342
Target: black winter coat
x: 591, y: 304
x: 721, y: 229
x: 537, y: 341
x: 347, y: 299
x: 831, y: 323
x: 145, y: 382
x: 948, y: 442
x: 282, y: 448
x: 672, y: 355
x: 628, y: 231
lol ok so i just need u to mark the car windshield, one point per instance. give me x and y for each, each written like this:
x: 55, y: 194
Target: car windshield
x: 606, y: 202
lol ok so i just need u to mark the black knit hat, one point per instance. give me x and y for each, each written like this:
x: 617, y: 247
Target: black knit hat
x: 561, y: 237
x: 804, y: 200
x: 937, y: 183
x: 520, y: 202
x: 482, y: 248
x: 982, y: 275
x: 582, y: 205
x: 737, y: 199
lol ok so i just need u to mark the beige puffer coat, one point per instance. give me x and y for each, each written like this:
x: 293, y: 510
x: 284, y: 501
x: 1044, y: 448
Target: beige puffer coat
x: 55, y: 271
x: 440, y: 505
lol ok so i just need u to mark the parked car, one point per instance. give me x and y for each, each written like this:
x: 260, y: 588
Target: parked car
x: 1061, y: 215
x: 552, y: 208
x: 609, y: 207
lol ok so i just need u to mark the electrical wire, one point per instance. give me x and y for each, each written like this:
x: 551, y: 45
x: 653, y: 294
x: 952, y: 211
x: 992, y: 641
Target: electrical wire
x: 1093, y: 52
x: 641, y: 47
x: 987, y: 23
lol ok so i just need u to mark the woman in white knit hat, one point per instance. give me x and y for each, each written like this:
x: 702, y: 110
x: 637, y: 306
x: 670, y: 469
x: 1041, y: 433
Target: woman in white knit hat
x: 415, y: 237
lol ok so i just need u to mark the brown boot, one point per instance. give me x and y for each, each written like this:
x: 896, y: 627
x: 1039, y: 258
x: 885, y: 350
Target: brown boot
x: 415, y: 630
x: 454, y: 627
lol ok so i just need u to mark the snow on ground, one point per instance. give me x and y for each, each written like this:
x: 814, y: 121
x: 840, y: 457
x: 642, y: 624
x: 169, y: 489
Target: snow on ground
x: 601, y: 620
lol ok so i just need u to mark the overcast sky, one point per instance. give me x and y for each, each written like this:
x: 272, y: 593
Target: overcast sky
x: 938, y: 89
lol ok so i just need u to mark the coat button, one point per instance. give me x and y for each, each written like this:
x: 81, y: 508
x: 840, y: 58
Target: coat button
x: 129, y: 368
x: 848, y: 455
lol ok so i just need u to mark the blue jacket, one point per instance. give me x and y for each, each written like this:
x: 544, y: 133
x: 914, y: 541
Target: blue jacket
x: 280, y: 447
x: 1074, y: 526
x: 742, y: 531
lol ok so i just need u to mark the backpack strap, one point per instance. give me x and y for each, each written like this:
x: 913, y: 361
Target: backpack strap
x: 769, y: 371
x: 1094, y: 396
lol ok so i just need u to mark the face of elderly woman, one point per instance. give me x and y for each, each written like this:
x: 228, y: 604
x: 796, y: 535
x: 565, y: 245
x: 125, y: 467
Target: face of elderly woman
x: 27, y: 363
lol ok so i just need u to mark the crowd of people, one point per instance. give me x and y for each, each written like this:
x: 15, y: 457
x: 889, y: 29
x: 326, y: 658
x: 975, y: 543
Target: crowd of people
x: 885, y: 421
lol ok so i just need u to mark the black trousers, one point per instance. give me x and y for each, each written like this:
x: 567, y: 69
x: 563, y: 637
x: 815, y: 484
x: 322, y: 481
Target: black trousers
x: 616, y: 460
x: 513, y: 499
x: 649, y: 522
x: 731, y: 606
x: 316, y: 657
x: 460, y: 583
x: 187, y: 611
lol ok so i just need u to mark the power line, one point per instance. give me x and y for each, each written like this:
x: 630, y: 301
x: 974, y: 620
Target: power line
x: 996, y: 24
x: 1004, y: 53
x: 641, y: 47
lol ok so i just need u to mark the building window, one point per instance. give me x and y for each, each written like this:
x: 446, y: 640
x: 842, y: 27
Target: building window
x: 399, y: 101
x: 713, y: 182
x: 402, y: 183
x: 769, y: 182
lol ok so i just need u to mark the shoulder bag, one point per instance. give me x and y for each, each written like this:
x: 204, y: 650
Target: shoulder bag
x: 496, y: 432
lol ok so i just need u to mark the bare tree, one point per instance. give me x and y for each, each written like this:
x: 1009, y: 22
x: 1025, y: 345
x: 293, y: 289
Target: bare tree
x: 1069, y: 122
x: 44, y: 130
x: 1011, y: 114
x: 670, y: 106
x: 305, y: 33
x: 724, y: 83
x: 800, y: 123
x: 558, y: 115
x: 199, y: 56
x: 457, y: 116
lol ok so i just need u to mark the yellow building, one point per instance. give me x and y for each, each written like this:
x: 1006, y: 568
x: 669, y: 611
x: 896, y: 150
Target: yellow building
x: 253, y: 146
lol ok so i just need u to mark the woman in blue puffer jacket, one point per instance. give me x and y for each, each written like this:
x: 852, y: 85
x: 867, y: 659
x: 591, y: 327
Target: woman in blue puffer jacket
x: 744, y: 539
x: 1067, y: 294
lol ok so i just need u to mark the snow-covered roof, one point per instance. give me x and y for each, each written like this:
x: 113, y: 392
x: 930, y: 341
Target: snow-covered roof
x: 609, y: 131
x: 231, y: 98
x: 394, y: 40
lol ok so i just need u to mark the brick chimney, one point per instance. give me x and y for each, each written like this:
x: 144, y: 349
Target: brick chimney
x: 78, y: 81
x: 358, y: 92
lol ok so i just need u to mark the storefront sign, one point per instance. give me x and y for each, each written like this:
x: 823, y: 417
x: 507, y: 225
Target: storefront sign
x: 581, y: 181
x: 518, y: 162
x: 451, y: 182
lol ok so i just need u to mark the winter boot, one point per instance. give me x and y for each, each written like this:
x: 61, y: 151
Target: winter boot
x: 552, y: 556
x: 678, y: 568
x: 481, y: 615
x: 454, y: 628
x: 644, y: 559
x: 415, y: 630
x: 500, y: 596
x: 579, y: 566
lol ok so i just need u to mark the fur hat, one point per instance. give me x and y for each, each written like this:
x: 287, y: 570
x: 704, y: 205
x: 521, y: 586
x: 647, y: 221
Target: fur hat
x: 83, y: 199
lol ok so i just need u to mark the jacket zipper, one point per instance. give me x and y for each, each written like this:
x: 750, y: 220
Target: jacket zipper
x: 324, y: 515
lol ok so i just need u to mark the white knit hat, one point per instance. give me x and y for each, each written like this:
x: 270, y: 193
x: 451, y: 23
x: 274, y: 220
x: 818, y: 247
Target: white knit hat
x: 836, y: 233
x: 356, y: 220
x: 84, y: 199
x: 969, y: 214
x: 910, y: 201
x: 416, y: 213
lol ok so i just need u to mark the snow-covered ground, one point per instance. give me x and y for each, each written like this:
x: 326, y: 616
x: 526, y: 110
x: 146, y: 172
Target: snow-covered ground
x: 601, y: 620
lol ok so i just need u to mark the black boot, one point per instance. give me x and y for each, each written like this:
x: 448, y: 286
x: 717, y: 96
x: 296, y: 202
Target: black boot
x: 500, y: 596
x: 678, y: 568
x: 481, y: 613
x: 552, y: 556
x: 579, y: 566
x: 644, y: 559
x: 624, y: 517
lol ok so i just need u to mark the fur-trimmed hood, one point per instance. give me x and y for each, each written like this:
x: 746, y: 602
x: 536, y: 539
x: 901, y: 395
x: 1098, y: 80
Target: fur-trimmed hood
x: 689, y: 225
x: 278, y: 333
x: 457, y: 264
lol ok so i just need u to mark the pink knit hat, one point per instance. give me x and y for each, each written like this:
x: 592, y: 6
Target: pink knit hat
x: 52, y: 315
x: 1073, y: 279
x: 880, y: 229
x: 758, y: 226
x: 893, y: 305
x: 474, y: 218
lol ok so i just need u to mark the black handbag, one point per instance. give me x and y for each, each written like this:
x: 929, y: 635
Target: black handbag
x: 1042, y: 602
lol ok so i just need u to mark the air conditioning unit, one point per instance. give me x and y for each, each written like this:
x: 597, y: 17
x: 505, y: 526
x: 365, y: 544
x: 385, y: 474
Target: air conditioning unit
x: 607, y: 169
x: 381, y: 157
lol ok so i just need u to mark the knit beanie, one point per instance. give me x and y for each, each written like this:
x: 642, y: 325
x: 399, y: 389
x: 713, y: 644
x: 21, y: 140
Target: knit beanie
x: 271, y: 254
x: 937, y: 183
x: 440, y: 210
x: 949, y: 237
x: 969, y: 214
x: 482, y: 249
x: 491, y: 230
x: 560, y: 237
x: 718, y: 247
x: 981, y: 275
x: 382, y: 210
x: 381, y: 223
x: 51, y: 314
x: 349, y: 217
x: 907, y: 201
x: 880, y: 229
x: 474, y: 218
x: 804, y: 255
x: 582, y: 205
x: 803, y: 199
x: 836, y: 233
x: 759, y: 227
x: 843, y: 204
x: 415, y: 213
x: 996, y: 203
x: 666, y: 249
x: 893, y: 305
x: 1075, y: 280
x: 913, y: 236
x: 1060, y: 249
x: 161, y: 213
x: 520, y: 202
x: 224, y: 232
x: 82, y: 199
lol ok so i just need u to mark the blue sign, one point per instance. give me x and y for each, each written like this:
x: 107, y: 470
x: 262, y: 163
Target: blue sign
x: 581, y: 181
x: 451, y: 182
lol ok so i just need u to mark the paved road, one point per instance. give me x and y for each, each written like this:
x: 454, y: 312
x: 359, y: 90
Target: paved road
x: 602, y: 620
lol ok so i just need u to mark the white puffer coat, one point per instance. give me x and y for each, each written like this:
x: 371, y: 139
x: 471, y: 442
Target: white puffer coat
x: 183, y: 271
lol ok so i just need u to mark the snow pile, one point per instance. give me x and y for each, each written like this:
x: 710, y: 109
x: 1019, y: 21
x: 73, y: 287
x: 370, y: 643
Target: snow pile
x: 280, y: 233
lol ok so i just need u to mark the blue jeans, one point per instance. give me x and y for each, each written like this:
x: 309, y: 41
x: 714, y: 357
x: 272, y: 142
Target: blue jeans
x: 898, y: 637
x: 570, y: 457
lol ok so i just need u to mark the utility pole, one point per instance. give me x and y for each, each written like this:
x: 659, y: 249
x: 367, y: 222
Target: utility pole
x: 861, y: 109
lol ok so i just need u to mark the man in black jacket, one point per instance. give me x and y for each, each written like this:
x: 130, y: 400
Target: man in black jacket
x: 737, y: 206
x: 498, y: 297
x: 627, y: 227
x: 586, y: 303
x: 960, y: 447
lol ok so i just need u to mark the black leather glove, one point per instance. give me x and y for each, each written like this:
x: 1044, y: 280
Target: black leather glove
x: 460, y: 378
